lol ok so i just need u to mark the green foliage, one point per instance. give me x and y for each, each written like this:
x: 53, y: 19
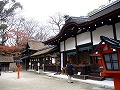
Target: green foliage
x: 3, y: 26
x: 92, y: 11
x: 5, y: 12
x: 7, y: 8
x: 96, y: 9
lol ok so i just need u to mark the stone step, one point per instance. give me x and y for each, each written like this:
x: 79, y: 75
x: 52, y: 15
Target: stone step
x: 81, y: 77
x: 96, y: 78
x: 95, y: 74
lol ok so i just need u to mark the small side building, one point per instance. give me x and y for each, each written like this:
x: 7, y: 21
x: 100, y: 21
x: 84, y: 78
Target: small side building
x: 5, y: 62
x: 48, y: 58
x: 31, y: 48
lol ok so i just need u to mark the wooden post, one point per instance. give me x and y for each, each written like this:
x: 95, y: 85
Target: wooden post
x: 116, y: 82
x: 18, y: 69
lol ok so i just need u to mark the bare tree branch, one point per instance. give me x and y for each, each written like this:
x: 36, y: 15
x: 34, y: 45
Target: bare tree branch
x: 56, y: 22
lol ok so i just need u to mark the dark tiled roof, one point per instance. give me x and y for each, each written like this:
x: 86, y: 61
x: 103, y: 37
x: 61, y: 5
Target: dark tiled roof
x: 35, y: 45
x: 95, y: 14
x: 115, y: 44
x: 42, y: 52
x: 46, y: 47
x: 78, y: 20
x: 104, y: 7
x: 109, y: 11
x: 104, y: 10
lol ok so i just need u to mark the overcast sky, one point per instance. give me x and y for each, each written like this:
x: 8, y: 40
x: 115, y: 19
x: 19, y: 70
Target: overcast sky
x: 42, y: 9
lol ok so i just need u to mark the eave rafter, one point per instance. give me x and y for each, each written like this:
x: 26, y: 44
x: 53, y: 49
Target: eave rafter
x: 68, y: 30
x: 108, y: 19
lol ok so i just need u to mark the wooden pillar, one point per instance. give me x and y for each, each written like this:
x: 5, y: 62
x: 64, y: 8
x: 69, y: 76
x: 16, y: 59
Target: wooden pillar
x: 91, y: 36
x: 64, y: 46
x: 64, y: 59
x: 116, y: 82
x: 18, y: 69
x: 114, y: 31
x: 77, y: 62
x: 64, y: 56
x: 25, y: 65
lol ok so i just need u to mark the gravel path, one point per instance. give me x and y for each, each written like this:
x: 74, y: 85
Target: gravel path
x: 34, y: 81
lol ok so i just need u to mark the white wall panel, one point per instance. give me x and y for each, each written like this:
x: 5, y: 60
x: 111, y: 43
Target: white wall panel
x: 83, y: 38
x: 118, y: 30
x: 62, y: 46
x: 70, y: 43
x: 104, y: 31
x: 61, y: 61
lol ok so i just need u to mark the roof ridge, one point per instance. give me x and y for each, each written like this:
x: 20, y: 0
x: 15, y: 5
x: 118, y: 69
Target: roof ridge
x: 34, y: 41
x: 103, y: 8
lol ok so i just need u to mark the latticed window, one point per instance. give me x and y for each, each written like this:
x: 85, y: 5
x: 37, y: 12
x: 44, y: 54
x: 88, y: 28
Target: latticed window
x: 111, y: 61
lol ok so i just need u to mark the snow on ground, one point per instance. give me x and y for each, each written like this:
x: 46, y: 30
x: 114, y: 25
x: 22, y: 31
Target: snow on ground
x: 104, y: 83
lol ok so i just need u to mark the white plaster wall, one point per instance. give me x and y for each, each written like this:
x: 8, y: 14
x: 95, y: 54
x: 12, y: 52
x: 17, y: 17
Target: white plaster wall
x: 118, y: 30
x: 83, y: 38
x: 70, y: 43
x: 62, y: 46
x: 61, y: 61
x: 104, y: 31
